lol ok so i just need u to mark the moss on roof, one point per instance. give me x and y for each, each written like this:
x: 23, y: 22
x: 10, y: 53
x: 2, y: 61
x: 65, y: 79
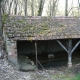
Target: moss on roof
x: 41, y: 27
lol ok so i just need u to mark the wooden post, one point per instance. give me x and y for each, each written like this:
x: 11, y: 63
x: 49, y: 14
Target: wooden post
x: 69, y: 60
x: 36, y: 54
x: 69, y: 53
x: 70, y: 50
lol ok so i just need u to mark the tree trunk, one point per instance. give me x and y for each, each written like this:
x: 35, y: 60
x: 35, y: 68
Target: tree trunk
x: 53, y: 5
x: 0, y: 21
x: 79, y: 3
x: 41, y: 7
x: 32, y: 7
x: 25, y: 7
x: 66, y: 8
x: 78, y: 7
x: 10, y: 7
x: 16, y: 3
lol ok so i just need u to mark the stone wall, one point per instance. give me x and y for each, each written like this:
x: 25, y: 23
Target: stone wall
x: 12, y: 52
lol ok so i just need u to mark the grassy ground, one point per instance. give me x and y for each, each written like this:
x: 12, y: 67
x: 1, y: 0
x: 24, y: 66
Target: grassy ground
x: 77, y: 77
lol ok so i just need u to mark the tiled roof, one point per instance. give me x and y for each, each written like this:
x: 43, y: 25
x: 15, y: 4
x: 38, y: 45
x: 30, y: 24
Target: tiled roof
x: 42, y: 28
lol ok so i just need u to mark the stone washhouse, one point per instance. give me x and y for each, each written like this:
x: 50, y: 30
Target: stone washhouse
x: 32, y: 35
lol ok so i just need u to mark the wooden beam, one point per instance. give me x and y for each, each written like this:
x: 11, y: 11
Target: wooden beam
x: 70, y: 50
x: 62, y: 46
x: 75, y: 47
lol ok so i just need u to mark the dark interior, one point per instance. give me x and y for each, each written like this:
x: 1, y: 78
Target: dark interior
x: 44, y: 49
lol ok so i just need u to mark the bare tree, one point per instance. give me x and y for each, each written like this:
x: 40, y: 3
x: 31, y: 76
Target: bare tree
x: 10, y: 7
x: 79, y: 3
x: 66, y: 8
x: 78, y: 7
x: 25, y: 1
x: 3, y: 6
x: 16, y: 4
x: 41, y: 5
x: 0, y: 19
x: 70, y: 11
x: 32, y: 6
x: 53, y: 7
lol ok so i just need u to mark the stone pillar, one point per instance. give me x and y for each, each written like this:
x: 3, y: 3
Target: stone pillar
x: 12, y: 53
